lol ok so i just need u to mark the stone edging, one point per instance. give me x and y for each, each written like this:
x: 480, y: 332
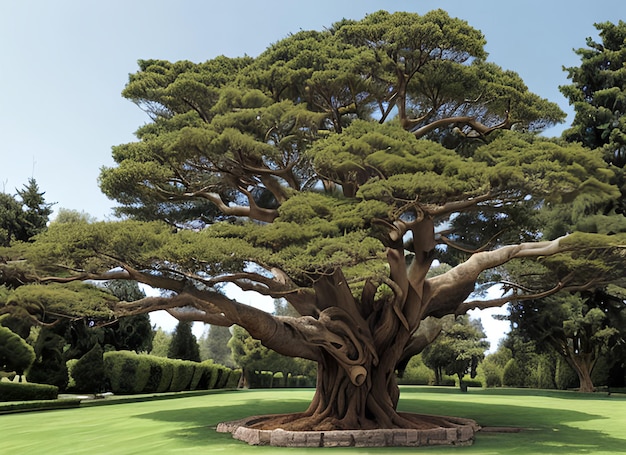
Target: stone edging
x: 461, y: 434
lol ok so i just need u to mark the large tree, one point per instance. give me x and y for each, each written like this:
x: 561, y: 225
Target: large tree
x: 578, y: 328
x: 292, y: 176
x: 457, y: 351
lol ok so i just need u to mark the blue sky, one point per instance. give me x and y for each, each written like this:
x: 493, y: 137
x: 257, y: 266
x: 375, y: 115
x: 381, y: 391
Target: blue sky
x: 64, y: 64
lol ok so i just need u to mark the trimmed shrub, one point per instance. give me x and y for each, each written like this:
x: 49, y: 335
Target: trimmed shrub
x: 261, y: 379
x: 207, y: 372
x: 233, y: 379
x: 278, y: 380
x: 161, y: 372
x: 70, y: 364
x: 301, y: 381
x: 469, y: 382
x: 15, y: 353
x: 126, y: 371
x: 183, y: 373
x: 88, y: 372
x: 25, y: 391
x: 222, y: 376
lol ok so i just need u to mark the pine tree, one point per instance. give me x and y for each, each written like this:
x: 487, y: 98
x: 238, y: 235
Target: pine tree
x: 184, y: 345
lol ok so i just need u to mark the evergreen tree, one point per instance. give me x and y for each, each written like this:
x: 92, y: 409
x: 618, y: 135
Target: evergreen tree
x: 184, y: 345
x: 160, y: 343
x: 319, y: 197
x: 36, y: 211
x: 214, y: 345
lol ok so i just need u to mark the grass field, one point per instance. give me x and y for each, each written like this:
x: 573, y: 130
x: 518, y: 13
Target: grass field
x: 554, y: 422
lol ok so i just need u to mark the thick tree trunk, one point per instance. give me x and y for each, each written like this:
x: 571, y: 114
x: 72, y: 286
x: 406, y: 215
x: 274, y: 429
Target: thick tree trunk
x: 583, y: 370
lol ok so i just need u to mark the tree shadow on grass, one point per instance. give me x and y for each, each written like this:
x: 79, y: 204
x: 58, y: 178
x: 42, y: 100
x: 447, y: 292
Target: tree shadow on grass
x: 544, y: 430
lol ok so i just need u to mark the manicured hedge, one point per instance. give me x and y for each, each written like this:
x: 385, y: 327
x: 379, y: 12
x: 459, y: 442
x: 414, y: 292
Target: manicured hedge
x: 26, y: 391
x: 161, y: 372
x: 127, y: 372
x: 131, y: 373
x: 183, y: 373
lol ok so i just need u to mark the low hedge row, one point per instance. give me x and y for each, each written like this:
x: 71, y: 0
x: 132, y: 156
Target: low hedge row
x: 26, y: 391
x: 270, y: 380
x: 131, y: 373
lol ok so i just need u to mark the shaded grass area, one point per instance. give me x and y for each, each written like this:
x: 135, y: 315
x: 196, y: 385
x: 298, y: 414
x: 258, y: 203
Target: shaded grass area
x: 554, y: 423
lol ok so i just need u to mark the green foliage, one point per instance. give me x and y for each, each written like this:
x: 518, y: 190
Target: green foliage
x: 457, y: 351
x: 182, y: 375
x: 10, y: 391
x: 513, y: 375
x: 49, y: 366
x: 565, y: 377
x: 160, y: 343
x: 251, y: 356
x: 184, y: 345
x: 491, y: 372
x: 161, y: 373
x: 598, y: 95
x: 126, y: 371
x: 214, y: 345
x: 23, y: 216
x: 15, y: 353
x: 416, y: 373
x: 88, y: 372
x: 62, y: 301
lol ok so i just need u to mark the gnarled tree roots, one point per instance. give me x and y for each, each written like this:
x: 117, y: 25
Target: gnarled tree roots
x: 288, y: 430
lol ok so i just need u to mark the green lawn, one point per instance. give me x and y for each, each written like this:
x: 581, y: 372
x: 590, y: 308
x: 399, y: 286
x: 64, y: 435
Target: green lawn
x: 554, y: 423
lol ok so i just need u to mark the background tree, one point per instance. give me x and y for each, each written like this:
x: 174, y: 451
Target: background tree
x: 214, y: 345
x: 457, y: 351
x: 339, y: 210
x: 575, y: 328
x: 160, y: 343
x: 24, y: 215
x: 184, y: 344
x: 598, y: 94
x: 253, y: 358
x: 36, y: 211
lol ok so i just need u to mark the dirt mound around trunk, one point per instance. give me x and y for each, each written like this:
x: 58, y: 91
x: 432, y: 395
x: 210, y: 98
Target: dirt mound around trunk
x: 428, y: 431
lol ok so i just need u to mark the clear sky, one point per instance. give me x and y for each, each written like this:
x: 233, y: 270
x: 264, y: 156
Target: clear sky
x: 64, y: 64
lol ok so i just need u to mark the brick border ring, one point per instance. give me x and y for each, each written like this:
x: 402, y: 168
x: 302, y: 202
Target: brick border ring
x: 460, y: 432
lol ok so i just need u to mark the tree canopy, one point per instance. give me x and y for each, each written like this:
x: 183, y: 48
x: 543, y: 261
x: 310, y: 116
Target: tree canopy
x: 310, y: 173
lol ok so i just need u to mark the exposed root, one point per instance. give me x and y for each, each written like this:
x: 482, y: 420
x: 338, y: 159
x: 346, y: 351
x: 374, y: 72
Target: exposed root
x: 304, y: 422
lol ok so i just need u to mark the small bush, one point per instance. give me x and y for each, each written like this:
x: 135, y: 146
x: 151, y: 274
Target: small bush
x: 71, y: 384
x: 26, y: 391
